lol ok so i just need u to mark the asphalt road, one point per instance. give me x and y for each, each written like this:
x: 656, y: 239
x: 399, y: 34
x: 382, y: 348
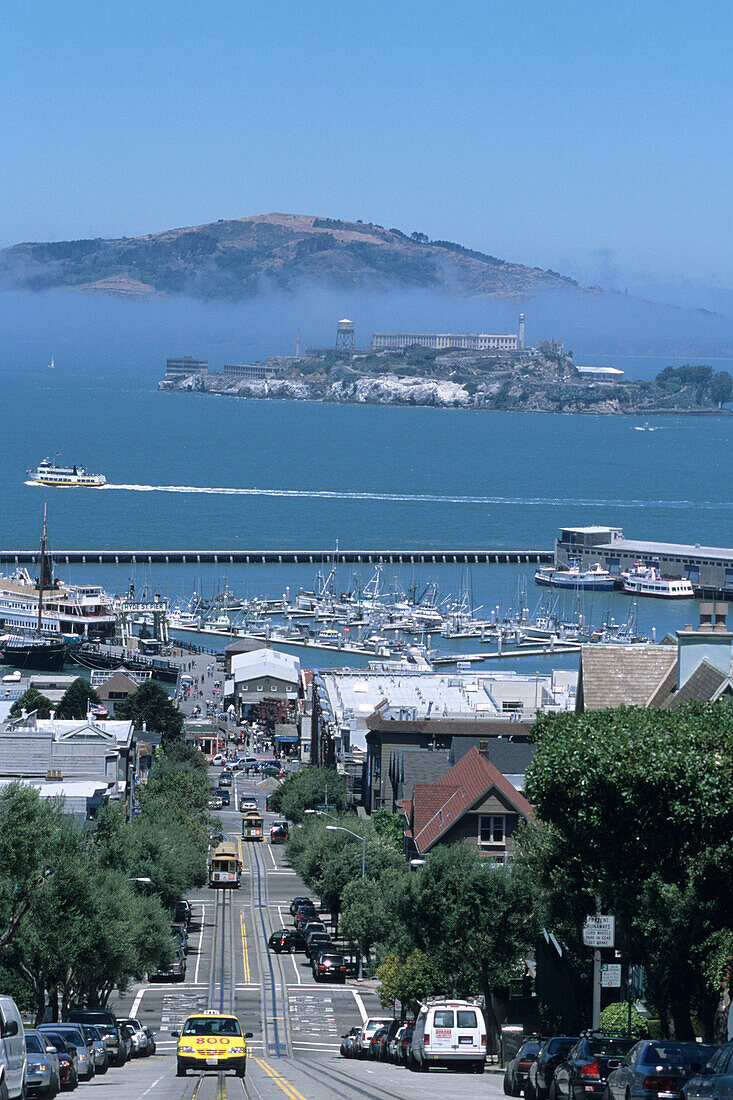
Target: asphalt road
x: 297, y: 1024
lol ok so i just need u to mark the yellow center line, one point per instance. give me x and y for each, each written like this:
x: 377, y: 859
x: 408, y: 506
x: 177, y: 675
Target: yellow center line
x: 286, y: 1087
x: 245, y: 955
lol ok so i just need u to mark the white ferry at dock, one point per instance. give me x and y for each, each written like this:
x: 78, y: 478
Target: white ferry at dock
x: 646, y: 580
x: 594, y: 579
x: 46, y: 473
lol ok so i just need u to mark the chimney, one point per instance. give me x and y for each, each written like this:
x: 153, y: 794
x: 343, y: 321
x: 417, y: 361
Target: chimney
x: 483, y: 748
x: 711, y: 642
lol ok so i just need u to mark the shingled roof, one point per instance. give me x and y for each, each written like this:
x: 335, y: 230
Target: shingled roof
x: 702, y: 686
x: 436, y: 807
x: 619, y: 675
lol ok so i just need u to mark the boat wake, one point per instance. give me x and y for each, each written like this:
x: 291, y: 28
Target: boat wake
x: 410, y: 498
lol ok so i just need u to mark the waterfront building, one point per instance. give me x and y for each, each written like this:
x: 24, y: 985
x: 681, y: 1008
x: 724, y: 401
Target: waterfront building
x: 708, y: 568
x: 600, y: 374
x: 185, y: 365
x: 252, y: 372
x: 263, y: 677
x: 467, y: 341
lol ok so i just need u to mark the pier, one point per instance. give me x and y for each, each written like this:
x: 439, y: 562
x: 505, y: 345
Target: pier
x: 283, y: 557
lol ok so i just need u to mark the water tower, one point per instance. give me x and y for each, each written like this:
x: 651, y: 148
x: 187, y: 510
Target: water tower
x: 345, y: 335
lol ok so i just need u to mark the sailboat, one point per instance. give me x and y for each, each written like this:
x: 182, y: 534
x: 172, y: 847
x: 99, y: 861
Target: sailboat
x: 51, y: 365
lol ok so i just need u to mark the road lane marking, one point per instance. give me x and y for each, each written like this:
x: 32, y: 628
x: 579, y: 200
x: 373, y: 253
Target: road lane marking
x: 295, y: 968
x: 245, y: 955
x: 150, y: 1089
x: 360, y: 1006
x: 199, y: 946
x: 285, y: 1085
x: 272, y: 857
x: 221, y: 1089
x: 136, y: 1002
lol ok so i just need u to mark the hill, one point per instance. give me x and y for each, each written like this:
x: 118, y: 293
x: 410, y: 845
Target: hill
x: 242, y: 257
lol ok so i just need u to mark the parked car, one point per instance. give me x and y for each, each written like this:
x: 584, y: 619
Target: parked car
x: 66, y: 1055
x: 375, y: 1040
x: 12, y: 1047
x: 329, y: 966
x: 316, y: 940
x: 715, y: 1080
x: 370, y: 1025
x: 141, y: 1045
x: 296, y: 902
x: 449, y: 1033
x: 215, y: 802
x: 657, y: 1069
x: 74, y: 1034
x: 517, y: 1071
x: 99, y: 1050
x: 151, y: 1038
x: 43, y: 1069
x: 279, y: 832
x: 348, y: 1042
x: 175, y: 971
x: 402, y: 1052
x: 551, y: 1054
x: 287, y: 939
x: 225, y: 796
x: 106, y: 1023
x: 381, y: 1052
x: 183, y: 912
x: 584, y: 1071
x: 304, y: 915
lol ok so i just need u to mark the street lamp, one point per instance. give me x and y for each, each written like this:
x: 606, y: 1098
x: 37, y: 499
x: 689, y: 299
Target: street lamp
x: 342, y: 829
x: 322, y: 813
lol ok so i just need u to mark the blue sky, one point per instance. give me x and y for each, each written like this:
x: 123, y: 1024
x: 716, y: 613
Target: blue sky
x: 591, y: 137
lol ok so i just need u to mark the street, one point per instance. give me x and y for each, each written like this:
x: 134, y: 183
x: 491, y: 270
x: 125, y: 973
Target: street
x: 297, y: 1024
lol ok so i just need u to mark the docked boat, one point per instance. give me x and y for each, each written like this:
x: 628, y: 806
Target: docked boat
x: 595, y: 579
x: 646, y: 580
x: 47, y: 473
x: 33, y: 652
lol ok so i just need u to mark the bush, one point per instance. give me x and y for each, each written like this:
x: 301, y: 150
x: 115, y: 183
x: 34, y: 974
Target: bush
x: 615, y: 1021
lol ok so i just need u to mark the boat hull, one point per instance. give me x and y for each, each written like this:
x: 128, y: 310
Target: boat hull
x: 42, y: 658
x: 633, y: 590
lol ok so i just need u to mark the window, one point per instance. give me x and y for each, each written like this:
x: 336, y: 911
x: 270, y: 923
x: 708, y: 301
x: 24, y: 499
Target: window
x: 443, y: 1018
x: 491, y: 829
x: 692, y: 572
x: 511, y: 706
x: 466, y: 1018
x: 259, y: 687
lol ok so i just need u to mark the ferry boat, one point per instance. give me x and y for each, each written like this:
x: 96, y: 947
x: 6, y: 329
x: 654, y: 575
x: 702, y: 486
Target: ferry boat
x: 46, y: 473
x: 68, y: 609
x: 646, y: 580
x: 595, y: 579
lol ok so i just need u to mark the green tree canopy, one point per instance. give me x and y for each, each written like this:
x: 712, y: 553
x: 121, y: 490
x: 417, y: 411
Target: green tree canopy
x: 31, y: 700
x: 76, y: 699
x: 308, y: 789
x: 151, y: 706
x: 636, y: 806
x: 721, y: 387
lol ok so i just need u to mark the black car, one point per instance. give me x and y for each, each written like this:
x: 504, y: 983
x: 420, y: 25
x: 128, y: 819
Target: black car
x: 183, y: 912
x: 225, y: 796
x: 305, y: 913
x: 299, y: 901
x: 287, y: 939
x: 584, y: 1072
x: 552, y: 1053
x: 518, y: 1069
x: 329, y: 966
x: 279, y: 832
x: 316, y: 942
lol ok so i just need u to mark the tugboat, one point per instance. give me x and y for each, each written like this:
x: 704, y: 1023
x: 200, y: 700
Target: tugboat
x: 46, y: 473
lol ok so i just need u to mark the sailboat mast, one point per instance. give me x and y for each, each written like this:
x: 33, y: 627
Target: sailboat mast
x: 43, y: 570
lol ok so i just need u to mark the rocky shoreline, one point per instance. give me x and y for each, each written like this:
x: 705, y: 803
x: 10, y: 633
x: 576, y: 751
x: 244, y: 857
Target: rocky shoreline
x: 564, y: 394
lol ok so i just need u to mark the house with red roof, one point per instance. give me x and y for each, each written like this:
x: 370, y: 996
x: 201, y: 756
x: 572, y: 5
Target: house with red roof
x: 473, y: 802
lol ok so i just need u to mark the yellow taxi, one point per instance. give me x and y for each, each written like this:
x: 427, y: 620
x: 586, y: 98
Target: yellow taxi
x: 211, y: 1041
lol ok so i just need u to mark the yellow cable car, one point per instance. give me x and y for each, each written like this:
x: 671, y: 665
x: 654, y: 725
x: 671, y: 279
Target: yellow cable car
x: 225, y: 867
x: 253, y: 825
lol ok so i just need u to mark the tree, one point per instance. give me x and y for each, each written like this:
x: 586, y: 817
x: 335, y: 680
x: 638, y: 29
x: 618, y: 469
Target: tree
x: 308, y: 789
x: 76, y: 699
x: 29, y: 827
x: 636, y: 806
x: 721, y: 388
x: 151, y: 706
x: 410, y: 980
x: 31, y: 700
x: 364, y: 913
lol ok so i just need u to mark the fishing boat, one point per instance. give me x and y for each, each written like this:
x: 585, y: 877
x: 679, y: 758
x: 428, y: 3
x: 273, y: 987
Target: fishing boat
x: 595, y: 579
x: 47, y: 473
x: 646, y: 580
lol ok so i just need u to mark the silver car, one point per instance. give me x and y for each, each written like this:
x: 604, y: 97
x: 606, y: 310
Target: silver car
x: 43, y: 1075
x: 75, y: 1036
x: 99, y: 1048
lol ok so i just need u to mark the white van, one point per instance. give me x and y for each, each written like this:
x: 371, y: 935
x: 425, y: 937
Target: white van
x: 449, y: 1033
x: 12, y: 1050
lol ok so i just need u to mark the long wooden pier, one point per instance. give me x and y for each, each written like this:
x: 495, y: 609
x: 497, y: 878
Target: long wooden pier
x: 283, y: 557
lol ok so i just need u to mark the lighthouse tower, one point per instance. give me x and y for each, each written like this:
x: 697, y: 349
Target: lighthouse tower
x: 520, y: 337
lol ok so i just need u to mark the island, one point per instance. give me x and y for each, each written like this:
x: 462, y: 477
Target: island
x: 540, y: 379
